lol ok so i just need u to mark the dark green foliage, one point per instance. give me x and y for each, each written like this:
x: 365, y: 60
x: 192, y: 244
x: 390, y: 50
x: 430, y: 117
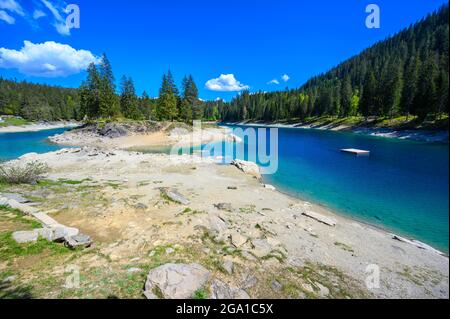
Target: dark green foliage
x: 38, y: 102
x: 406, y: 74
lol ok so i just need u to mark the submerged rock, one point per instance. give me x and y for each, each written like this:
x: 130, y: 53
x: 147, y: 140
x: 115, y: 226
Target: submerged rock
x: 175, y: 281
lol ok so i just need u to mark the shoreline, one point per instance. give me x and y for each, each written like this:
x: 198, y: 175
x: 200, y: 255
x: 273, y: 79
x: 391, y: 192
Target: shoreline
x: 420, y: 135
x: 377, y: 227
x: 39, y: 126
x: 273, y: 231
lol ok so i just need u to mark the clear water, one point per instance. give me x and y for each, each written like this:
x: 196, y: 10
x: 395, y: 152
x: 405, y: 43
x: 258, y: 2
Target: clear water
x: 13, y: 145
x: 402, y: 186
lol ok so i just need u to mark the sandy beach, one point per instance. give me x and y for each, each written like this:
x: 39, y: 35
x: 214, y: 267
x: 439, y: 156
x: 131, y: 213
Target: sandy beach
x: 277, y: 246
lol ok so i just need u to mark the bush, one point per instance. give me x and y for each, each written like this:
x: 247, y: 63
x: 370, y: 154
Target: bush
x: 19, y: 173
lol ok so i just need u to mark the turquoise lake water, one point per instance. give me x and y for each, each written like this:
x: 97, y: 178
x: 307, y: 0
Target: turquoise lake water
x: 402, y: 186
x: 13, y: 145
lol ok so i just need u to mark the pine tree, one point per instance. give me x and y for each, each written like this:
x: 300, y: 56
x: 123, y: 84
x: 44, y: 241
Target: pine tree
x: 108, y: 104
x: 128, y: 99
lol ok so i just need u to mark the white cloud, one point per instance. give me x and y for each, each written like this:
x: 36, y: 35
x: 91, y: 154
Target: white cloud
x: 12, y: 6
x: 4, y: 16
x: 274, y: 81
x: 38, y: 14
x: 49, y: 59
x: 226, y: 83
x: 59, y: 22
x: 285, y: 77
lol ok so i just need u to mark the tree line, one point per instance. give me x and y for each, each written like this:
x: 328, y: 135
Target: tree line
x: 406, y: 74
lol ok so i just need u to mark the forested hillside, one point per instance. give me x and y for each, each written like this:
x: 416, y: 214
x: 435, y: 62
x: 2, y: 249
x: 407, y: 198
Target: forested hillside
x: 38, y: 102
x: 406, y: 74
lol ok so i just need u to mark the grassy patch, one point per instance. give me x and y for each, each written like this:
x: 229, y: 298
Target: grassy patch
x: 9, y: 248
x: 14, y: 122
x: 200, y: 294
x: 8, y: 214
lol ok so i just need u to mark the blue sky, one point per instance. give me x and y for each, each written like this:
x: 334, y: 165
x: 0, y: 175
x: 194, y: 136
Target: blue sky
x: 250, y: 42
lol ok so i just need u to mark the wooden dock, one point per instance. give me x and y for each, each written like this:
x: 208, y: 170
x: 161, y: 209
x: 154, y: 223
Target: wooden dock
x: 355, y: 151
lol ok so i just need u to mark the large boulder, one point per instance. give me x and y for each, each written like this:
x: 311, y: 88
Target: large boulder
x: 175, y: 281
x: 249, y: 168
x: 26, y: 236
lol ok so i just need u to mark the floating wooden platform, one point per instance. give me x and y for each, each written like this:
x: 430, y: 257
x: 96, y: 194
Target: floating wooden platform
x: 356, y: 151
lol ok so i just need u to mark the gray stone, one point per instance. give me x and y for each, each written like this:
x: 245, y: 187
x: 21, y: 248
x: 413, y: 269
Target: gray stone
x: 76, y: 241
x: 237, y: 239
x: 276, y: 285
x: 261, y: 247
x: 9, y: 279
x: 174, y: 195
x: 323, y: 291
x: 60, y: 232
x: 224, y: 206
x: 17, y: 197
x: 249, y: 168
x: 140, y: 206
x: 248, y: 281
x: 134, y: 269
x: 228, y: 266
x: 170, y: 250
x: 320, y: 218
x: 216, y: 227
x: 26, y: 236
x: 175, y: 281
x: 221, y: 290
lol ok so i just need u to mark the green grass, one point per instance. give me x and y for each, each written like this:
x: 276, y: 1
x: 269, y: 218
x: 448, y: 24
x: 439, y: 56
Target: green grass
x: 14, y: 122
x: 19, y: 217
x: 200, y: 294
x: 9, y: 248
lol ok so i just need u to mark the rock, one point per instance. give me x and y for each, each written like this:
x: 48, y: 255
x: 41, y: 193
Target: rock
x: 417, y: 243
x: 217, y: 227
x: 248, y: 281
x: 232, y: 187
x: 134, y: 269
x: 17, y: 197
x: 224, y: 206
x: 261, y: 247
x: 221, y: 290
x: 60, y: 232
x: 140, y: 206
x: 47, y: 233
x: 9, y: 279
x: 77, y: 241
x: 175, y: 281
x: 26, y: 236
x: 169, y: 250
x: 113, y: 130
x: 323, y: 291
x: 248, y: 168
x: 268, y: 186
x: 276, y: 285
x: 320, y: 218
x: 228, y: 266
x: 237, y: 239
x: 174, y: 195
x: 248, y: 255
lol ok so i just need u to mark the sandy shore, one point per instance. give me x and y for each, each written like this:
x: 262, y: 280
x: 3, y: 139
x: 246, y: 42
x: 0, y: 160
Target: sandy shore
x: 37, y: 127
x: 441, y: 136
x: 283, y: 246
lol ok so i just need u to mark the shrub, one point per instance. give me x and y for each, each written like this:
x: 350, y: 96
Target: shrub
x: 22, y: 173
